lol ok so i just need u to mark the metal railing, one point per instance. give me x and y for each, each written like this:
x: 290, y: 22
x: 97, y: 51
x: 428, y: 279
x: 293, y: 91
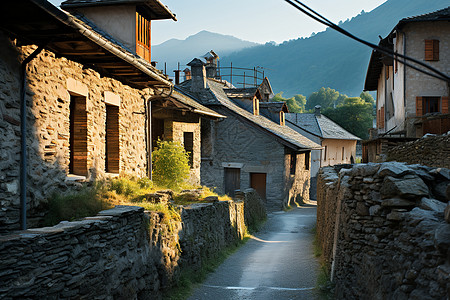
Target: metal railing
x: 246, y: 77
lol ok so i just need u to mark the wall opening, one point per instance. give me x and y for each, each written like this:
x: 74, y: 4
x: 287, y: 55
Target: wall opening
x: 307, y: 160
x: 112, y: 160
x: 78, y: 136
x: 258, y: 182
x: 292, y: 163
x: 232, y: 180
x: 188, y: 142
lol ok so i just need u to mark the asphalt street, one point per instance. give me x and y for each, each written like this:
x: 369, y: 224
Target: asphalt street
x: 277, y: 263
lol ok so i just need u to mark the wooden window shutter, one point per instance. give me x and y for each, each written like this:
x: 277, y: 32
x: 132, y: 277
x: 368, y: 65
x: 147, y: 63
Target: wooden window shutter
x: 419, y: 106
x: 445, y: 105
x: 78, y: 136
x: 382, y: 117
x: 112, y: 161
x: 432, y: 50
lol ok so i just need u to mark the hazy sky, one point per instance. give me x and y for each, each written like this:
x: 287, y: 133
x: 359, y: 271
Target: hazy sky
x: 253, y: 20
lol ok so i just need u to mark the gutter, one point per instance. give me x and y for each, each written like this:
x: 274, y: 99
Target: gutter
x: 23, y: 138
x: 206, y: 113
x: 96, y: 38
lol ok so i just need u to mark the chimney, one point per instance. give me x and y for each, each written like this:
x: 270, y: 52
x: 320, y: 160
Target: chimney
x: 198, y: 82
x: 187, y: 74
x: 177, y: 76
x: 211, y: 64
x: 317, y: 110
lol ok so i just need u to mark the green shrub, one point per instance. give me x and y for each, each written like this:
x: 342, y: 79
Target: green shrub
x: 86, y: 202
x: 170, y: 164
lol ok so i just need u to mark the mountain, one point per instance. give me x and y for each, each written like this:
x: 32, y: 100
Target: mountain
x: 329, y: 59
x: 183, y: 51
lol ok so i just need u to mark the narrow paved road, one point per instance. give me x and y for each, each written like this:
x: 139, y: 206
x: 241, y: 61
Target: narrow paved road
x: 278, y: 263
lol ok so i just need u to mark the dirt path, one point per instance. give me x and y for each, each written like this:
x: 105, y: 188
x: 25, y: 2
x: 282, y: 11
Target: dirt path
x: 278, y: 263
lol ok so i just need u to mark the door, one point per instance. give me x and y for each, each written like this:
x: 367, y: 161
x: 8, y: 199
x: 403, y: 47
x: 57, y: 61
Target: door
x: 232, y: 180
x: 258, y: 182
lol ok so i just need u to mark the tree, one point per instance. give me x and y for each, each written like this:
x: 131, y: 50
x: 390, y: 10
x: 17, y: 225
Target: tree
x: 367, y: 97
x: 354, y: 115
x: 325, y: 97
x: 295, y: 104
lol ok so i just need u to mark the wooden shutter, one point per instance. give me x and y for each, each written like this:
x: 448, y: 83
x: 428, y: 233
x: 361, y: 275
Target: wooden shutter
x: 419, y: 106
x: 143, y: 37
x: 445, y: 105
x: 112, y: 139
x: 432, y: 50
x: 382, y: 117
x: 78, y: 136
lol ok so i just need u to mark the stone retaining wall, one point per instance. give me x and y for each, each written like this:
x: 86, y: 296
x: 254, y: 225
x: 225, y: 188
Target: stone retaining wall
x: 122, y: 253
x: 433, y: 151
x: 384, y: 231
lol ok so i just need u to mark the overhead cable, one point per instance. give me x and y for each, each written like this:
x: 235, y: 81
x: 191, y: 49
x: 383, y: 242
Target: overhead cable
x: 388, y: 52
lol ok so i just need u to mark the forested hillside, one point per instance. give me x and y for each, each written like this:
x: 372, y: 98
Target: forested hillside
x: 329, y: 59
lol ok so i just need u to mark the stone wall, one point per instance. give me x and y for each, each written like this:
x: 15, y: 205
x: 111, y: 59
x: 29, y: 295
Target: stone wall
x: 384, y: 230
x: 431, y: 150
x: 122, y: 253
x: 51, y: 82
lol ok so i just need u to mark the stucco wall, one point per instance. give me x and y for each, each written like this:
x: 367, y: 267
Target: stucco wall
x: 418, y: 84
x: 117, y: 21
x: 334, y: 152
x: 50, y: 81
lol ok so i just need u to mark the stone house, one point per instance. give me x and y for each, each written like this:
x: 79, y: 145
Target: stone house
x: 410, y: 104
x: 248, y: 149
x: 339, y: 145
x: 76, y: 100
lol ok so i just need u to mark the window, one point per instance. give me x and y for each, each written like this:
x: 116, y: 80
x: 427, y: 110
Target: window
x: 188, y: 142
x: 207, y: 143
x: 143, y: 37
x: 78, y: 136
x: 307, y: 159
x: 425, y: 105
x: 432, y: 50
x: 343, y: 153
x: 282, y: 119
x: 112, y: 139
x: 293, y: 163
x: 325, y: 153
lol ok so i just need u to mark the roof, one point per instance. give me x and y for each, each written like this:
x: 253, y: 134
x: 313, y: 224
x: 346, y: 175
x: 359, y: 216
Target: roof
x: 439, y: 15
x: 318, y: 125
x: 241, y: 92
x: 274, y: 106
x: 216, y: 95
x: 39, y: 22
x: 155, y: 9
x: 194, y: 105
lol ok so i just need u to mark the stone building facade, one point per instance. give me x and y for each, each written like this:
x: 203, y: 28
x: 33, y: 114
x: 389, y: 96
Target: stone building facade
x: 248, y: 149
x: 88, y: 110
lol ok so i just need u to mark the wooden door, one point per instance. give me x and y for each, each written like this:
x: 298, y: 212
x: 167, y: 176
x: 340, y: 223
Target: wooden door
x: 232, y: 180
x: 258, y: 182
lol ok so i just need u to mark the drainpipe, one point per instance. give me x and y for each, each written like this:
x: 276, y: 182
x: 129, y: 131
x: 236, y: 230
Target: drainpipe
x: 23, y: 138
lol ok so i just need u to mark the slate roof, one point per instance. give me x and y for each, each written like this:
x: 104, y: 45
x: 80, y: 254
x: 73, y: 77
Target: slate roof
x: 216, y: 95
x: 319, y: 125
x: 158, y: 9
x: 194, y: 105
x: 439, y: 15
x: 275, y: 106
x: 241, y: 92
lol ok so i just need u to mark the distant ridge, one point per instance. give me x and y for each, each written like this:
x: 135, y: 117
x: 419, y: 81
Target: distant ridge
x: 329, y: 59
x: 183, y: 51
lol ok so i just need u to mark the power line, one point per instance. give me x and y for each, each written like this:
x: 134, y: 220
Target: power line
x: 388, y: 52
